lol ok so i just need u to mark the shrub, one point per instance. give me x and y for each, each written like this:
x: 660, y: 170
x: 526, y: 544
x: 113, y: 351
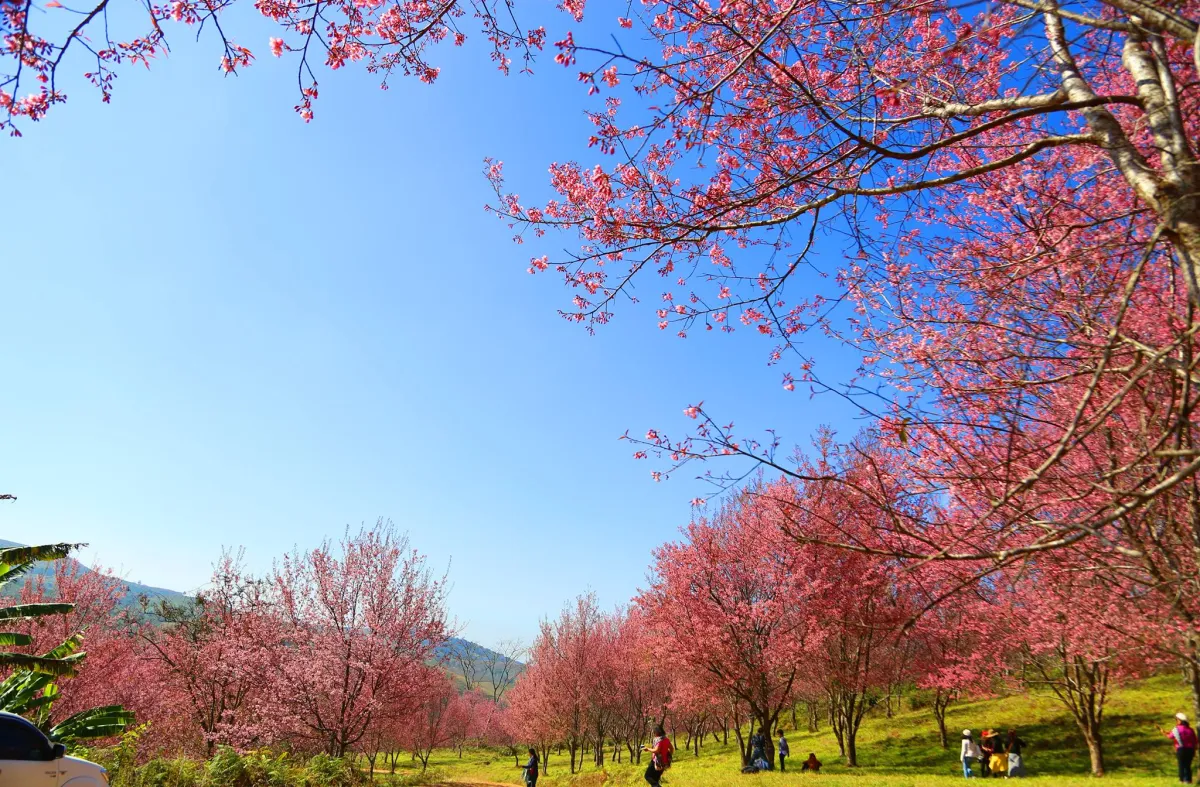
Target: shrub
x: 120, y: 760
x: 325, y: 771
x: 266, y: 770
x: 179, y: 772
x: 227, y: 768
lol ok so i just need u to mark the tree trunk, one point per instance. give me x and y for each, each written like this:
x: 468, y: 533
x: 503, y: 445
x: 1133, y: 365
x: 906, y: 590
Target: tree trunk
x: 941, y: 701
x: 766, y: 726
x: 1096, y: 752
x: 1191, y: 673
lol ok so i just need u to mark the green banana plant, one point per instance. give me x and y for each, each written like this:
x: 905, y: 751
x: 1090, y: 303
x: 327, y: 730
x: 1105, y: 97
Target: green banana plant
x: 32, y: 688
x: 15, y: 562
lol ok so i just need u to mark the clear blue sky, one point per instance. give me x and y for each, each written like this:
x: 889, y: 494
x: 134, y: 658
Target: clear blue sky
x: 225, y: 327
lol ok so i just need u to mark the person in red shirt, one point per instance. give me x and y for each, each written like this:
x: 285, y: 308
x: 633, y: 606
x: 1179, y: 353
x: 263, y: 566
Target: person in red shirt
x: 1184, y: 738
x: 661, y: 749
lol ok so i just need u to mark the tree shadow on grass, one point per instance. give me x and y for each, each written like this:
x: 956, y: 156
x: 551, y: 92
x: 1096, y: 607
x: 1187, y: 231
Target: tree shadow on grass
x: 1055, y: 747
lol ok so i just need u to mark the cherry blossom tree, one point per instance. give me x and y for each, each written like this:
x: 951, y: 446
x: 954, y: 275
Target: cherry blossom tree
x: 730, y: 603
x: 438, y: 718
x: 694, y: 708
x: 533, y: 715
x: 1014, y: 185
x: 860, y: 640
x: 44, y: 38
x: 483, y: 715
x: 640, y: 690
x: 1068, y: 645
x: 864, y: 650
x: 212, y: 658
x: 980, y: 169
x: 953, y: 651
x: 361, y: 622
x: 571, y: 665
x: 388, y: 735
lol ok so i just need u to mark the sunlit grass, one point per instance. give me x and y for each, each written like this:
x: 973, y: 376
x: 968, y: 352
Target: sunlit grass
x: 902, y: 751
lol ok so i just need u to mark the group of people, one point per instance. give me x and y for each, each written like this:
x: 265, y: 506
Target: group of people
x: 758, y: 755
x: 996, y: 754
x: 660, y: 750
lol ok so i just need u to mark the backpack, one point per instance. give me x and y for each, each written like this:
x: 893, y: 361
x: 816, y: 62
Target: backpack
x: 662, y: 762
x: 1186, y: 737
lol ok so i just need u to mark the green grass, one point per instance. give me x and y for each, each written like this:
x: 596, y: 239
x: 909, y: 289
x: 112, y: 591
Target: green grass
x: 902, y: 751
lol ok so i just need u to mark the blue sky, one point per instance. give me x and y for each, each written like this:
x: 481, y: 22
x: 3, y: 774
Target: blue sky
x: 224, y: 327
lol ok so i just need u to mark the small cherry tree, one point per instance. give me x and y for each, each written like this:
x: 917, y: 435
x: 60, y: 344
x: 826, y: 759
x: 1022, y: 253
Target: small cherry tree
x: 211, y: 660
x: 360, y: 621
x: 731, y: 602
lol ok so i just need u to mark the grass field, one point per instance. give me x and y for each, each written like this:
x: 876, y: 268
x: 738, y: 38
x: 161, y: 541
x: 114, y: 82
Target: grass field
x: 902, y: 751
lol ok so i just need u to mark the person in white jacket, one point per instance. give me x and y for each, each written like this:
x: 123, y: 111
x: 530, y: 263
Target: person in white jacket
x: 969, y: 753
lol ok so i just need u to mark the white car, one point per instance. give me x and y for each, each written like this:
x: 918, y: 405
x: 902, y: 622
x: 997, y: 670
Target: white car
x: 29, y: 759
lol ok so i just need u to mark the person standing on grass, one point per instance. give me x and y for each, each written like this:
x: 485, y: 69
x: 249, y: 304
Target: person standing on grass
x: 783, y: 752
x: 660, y: 748
x: 986, y: 747
x: 758, y: 749
x: 968, y: 753
x: 531, y: 769
x: 1184, y: 738
x: 1016, y: 765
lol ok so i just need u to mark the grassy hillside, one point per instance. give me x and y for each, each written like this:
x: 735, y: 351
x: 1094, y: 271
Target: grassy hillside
x: 481, y: 656
x: 904, y: 752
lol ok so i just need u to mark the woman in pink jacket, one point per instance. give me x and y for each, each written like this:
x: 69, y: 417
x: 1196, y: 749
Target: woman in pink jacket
x: 1184, y: 738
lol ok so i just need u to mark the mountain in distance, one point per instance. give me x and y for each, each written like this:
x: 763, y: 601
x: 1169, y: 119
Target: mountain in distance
x: 137, y: 591
x: 455, y: 646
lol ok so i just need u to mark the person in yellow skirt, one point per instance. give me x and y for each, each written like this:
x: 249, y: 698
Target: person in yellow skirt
x: 998, y: 761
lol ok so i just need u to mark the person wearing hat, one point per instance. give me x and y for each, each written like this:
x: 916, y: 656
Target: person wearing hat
x: 987, y: 746
x: 1184, y: 738
x: 968, y: 753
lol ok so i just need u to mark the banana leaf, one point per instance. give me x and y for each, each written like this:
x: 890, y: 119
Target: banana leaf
x: 16, y: 561
x: 26, y: 611
x: 48, y: 666
x: 102, y: 722
x: 68, y: 648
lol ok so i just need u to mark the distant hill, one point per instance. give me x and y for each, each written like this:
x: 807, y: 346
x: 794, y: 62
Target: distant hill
x: 479, y: 653
x: 482, y: 657
x: 132, y: 598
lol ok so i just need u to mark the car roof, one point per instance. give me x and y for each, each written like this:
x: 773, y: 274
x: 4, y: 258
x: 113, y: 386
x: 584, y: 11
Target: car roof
x: 15, y: 717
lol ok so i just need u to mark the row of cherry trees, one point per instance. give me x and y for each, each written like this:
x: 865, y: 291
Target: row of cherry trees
x: 335, y: 650
x: 749, y: 615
